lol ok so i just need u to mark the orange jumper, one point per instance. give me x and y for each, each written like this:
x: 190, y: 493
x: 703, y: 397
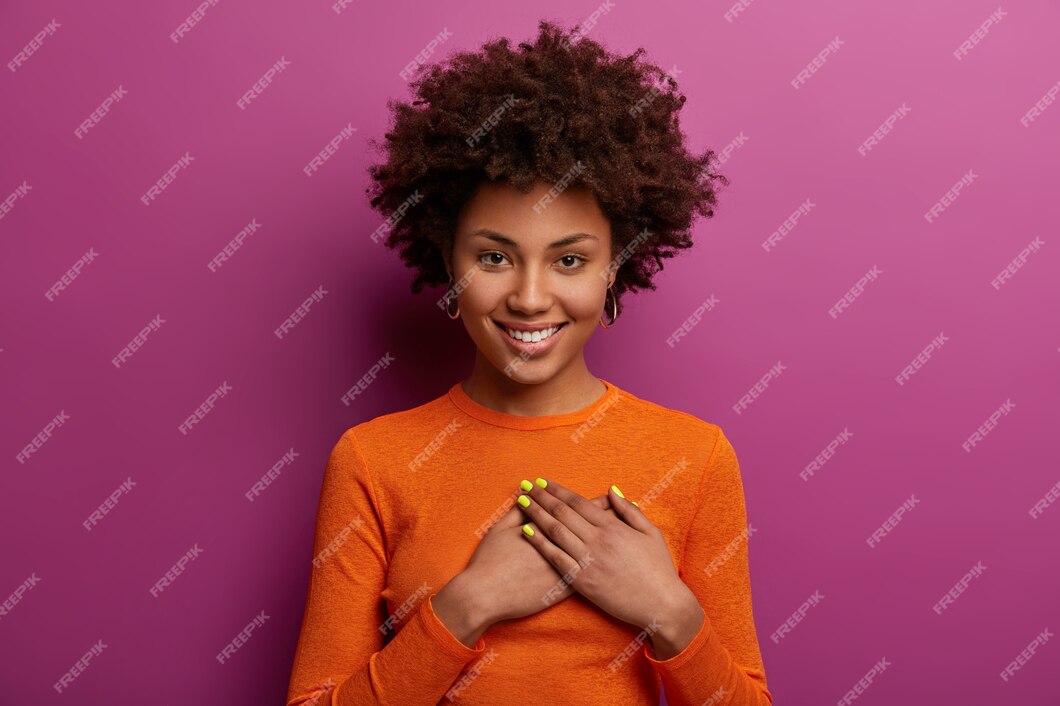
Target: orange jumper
x: 405, y: 500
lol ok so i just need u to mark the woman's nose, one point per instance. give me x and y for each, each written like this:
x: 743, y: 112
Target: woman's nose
x: 531, y: 291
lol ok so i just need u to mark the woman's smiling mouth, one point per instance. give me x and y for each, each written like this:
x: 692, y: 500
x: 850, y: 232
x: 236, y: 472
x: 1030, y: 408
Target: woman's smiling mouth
x: 523, y: 342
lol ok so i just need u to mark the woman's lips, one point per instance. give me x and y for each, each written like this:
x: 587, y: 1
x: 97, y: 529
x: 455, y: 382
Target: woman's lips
x: 528, y: 349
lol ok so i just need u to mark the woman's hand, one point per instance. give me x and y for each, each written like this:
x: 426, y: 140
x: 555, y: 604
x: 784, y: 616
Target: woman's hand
x: 618, y: 560
x: 510, y: 579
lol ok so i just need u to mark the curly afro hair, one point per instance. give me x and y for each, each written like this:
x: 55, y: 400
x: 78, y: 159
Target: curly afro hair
x: 531, y: 114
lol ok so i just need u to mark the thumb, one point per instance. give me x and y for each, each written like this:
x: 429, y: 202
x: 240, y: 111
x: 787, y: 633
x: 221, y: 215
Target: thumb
x: 601, y: 501
x: 604, y: 503
x: 628, y: 511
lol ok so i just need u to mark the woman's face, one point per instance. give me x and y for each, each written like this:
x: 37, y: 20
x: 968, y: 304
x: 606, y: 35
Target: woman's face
x: 526, y: 260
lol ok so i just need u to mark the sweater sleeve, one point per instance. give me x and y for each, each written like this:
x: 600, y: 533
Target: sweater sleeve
x: 722, y: 665
x: 340, y: 659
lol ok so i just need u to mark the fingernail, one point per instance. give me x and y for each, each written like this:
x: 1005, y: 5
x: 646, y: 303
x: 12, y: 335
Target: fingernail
x: 528, y: 530
x: 617, y: 491
x: 635, y: 503
x: 524, y: 501
x: 526, y: 485
x: 542, y: 482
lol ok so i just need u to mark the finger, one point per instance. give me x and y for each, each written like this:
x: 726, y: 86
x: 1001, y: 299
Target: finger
x: 585, y: 509
x: 573, y: 520
x: 629, y: 512
x: 560, y: 560
x: 512, y: 517
x: 553, y: 520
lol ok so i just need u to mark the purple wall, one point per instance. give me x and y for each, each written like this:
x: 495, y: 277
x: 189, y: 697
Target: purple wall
x: 980, y: 517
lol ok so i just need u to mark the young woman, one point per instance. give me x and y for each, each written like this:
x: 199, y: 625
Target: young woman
x: 457, y: 556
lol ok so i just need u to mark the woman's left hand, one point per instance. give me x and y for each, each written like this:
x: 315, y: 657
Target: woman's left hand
x: 619, y: 562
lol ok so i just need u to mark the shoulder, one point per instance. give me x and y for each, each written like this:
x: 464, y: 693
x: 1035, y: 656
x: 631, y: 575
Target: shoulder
x: 402, y: 428
x: 661, y: 418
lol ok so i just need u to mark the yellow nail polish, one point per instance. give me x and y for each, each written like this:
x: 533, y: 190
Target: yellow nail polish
x: 528, y: 530
x: 635, y: 503
x: 617, y: 491
x: 525, y: 485
x: 524, y: 501
x: 542, y: 482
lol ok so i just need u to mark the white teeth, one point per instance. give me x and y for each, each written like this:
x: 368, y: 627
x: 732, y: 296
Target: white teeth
x: 534, y: 337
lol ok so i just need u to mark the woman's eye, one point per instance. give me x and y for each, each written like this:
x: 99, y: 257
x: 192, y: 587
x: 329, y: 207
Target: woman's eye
x: 570, y: 262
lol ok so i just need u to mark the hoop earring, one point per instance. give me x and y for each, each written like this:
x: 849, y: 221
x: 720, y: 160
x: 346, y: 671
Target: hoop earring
x: 451, y: 298
x: 614, y: 308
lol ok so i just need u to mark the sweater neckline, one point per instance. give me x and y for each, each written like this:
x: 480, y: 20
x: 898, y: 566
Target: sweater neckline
x: 463, y: 401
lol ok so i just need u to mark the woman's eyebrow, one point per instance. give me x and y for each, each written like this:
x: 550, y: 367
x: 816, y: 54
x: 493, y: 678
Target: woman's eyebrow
x: 562, y: 242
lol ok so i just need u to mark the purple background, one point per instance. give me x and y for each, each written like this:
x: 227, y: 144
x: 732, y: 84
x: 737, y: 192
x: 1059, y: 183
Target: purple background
x: 1002, y: 343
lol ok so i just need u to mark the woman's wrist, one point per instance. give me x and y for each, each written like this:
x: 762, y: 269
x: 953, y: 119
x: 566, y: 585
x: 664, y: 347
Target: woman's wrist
x: 459, y: 609
x: 680, y: 624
